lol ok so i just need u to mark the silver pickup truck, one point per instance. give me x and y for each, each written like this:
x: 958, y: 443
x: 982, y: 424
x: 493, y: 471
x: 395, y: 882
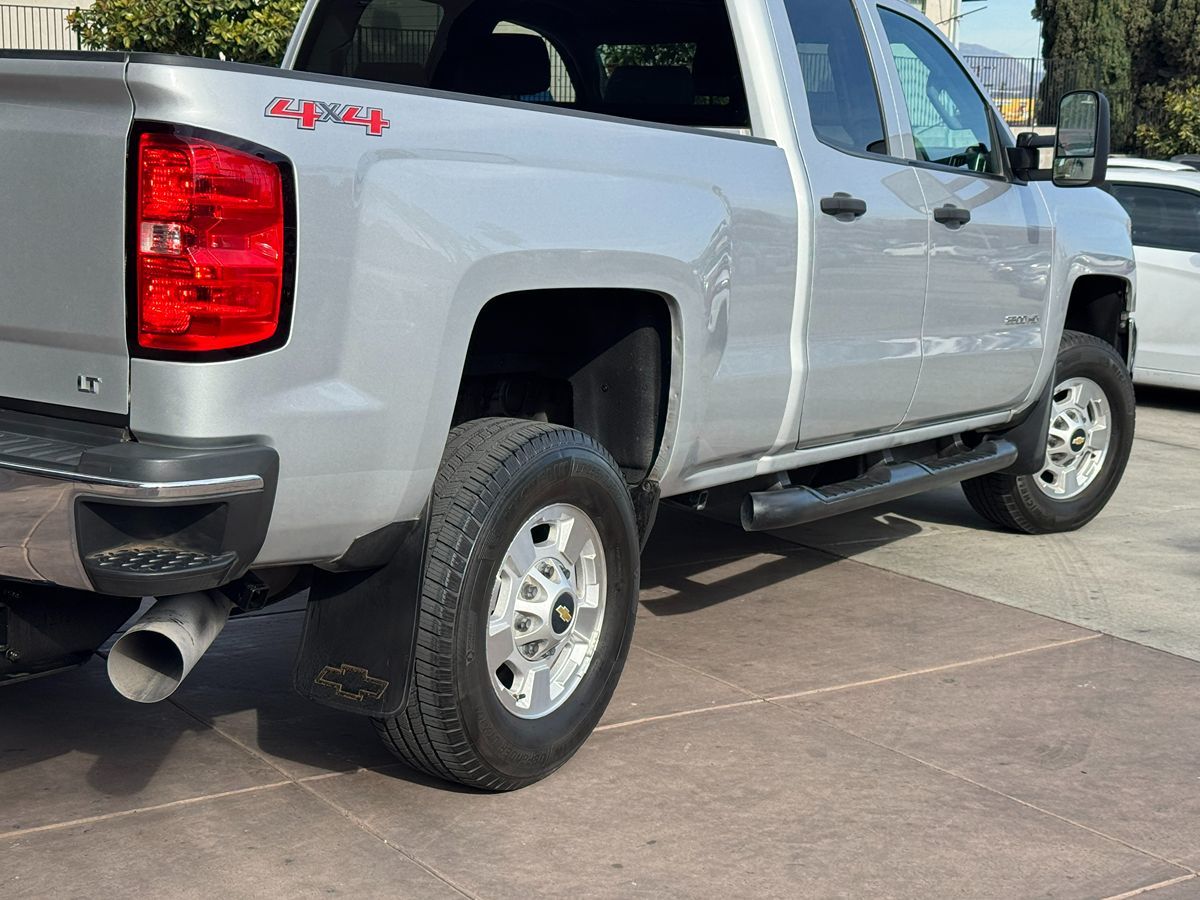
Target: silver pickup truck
x: 426, y: 322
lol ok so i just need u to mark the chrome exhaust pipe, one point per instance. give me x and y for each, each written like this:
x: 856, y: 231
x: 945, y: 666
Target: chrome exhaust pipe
x: 153, y: 657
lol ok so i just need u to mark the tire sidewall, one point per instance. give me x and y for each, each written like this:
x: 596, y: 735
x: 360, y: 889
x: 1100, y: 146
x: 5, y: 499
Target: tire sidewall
x: 1097, y: 361
x: 528, y: 749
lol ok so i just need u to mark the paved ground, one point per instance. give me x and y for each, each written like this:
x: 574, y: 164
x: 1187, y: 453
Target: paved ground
x: 844, y: 712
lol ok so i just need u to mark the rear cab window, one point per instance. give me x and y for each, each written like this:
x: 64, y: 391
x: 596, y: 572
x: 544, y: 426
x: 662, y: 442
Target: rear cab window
x: 839, y: 81
x: 672, y: 61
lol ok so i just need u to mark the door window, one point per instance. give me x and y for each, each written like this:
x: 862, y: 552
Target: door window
x: 1163, y: 218
x: 843, y: 100
x: 951, y: 122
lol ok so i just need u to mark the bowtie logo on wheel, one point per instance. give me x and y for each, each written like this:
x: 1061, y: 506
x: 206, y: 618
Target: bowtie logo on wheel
x: 308, y: 114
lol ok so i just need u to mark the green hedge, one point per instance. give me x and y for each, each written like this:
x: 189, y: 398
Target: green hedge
x: 251, y: 31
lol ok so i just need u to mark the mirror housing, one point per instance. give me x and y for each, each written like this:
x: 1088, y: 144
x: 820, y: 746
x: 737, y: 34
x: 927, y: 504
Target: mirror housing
x: 1084, y: 140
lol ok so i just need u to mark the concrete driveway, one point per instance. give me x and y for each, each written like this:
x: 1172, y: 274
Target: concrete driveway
x: 896, y: 704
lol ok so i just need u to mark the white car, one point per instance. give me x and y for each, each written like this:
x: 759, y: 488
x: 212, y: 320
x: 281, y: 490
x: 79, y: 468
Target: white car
x: 1152, y: 165
x: 1165, y: 208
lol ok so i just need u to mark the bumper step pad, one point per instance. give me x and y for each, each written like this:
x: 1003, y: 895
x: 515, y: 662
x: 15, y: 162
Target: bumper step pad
x: 157, y: 568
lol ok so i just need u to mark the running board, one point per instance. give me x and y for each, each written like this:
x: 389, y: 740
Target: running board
x: 787, y: 507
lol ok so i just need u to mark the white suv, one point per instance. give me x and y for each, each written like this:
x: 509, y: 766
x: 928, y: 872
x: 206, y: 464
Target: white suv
x: 1164, y: 205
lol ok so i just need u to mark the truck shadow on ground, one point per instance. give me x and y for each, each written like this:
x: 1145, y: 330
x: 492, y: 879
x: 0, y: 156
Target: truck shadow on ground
x: 1174, y: 399
x: 70, y: 742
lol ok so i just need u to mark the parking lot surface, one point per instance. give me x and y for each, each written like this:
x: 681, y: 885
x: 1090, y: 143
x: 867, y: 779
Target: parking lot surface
x: 899, y: 703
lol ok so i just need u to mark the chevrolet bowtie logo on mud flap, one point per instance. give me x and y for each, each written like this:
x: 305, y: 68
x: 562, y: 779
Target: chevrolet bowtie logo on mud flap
x: 352, y: 683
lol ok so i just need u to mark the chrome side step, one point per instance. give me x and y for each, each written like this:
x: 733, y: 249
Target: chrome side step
x: 787, y: 507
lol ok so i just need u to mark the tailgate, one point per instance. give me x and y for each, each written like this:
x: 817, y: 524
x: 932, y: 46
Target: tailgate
x: 64, y: 127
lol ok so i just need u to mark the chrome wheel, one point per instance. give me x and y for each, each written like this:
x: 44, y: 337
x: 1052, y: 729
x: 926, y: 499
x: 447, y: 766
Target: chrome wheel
x: 1080, y: 432
x: 547, y: 611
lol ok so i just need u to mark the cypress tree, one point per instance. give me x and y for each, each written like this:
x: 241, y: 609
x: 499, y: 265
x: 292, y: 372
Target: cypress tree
x: 1102, y: 44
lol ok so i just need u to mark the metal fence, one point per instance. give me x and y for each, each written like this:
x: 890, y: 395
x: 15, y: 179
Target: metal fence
x: 36, y: 28
x: 1028, y: 90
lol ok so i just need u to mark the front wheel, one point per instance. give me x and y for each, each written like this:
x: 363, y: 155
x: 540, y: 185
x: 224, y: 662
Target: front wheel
x: 1092, y: 424
x: 527, y: 605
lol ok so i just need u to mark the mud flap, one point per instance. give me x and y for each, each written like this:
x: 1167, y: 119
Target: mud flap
x: 646, y: 498
x: 1031, y: 435
x: 360, y: 632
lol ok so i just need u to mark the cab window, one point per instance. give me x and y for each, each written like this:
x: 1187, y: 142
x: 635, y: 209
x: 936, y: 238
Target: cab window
x: 951, y: 122
x: 1163, y: 218
x: 668, y: 61
x: 839, y: 82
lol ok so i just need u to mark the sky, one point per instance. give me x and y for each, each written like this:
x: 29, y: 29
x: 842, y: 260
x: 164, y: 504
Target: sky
x: 1003, y: 25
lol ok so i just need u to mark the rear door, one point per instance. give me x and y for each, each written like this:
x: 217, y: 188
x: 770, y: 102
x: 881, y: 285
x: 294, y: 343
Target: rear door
x: 992, y: 240
x: 1166, y: 238
x: 869, y: 231
x: 64, y: 127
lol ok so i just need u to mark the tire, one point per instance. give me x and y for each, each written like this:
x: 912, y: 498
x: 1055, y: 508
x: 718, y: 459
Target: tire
x: 1018, y: 502
x: 496, y: 474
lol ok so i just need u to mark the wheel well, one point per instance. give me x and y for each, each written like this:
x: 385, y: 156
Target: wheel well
x: 595, y: 360
x: 1098, y: 307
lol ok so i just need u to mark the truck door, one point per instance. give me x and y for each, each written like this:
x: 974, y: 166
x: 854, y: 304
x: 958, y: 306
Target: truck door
x: 868, y: 234
x: 991, y: 241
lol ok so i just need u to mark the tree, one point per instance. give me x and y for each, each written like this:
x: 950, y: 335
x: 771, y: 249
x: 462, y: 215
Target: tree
x: 251, y: 31
x: 1109, y: 35
x: 1178, y: 129
x: 1147, y: 59
x: 1175, y: 56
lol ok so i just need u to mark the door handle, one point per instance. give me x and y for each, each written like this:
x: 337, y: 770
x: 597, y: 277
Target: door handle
x: 843, y: 207
x: 952, y: 216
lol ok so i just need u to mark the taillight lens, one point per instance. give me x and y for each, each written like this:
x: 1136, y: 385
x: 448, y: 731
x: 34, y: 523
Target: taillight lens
x: 210, y: 245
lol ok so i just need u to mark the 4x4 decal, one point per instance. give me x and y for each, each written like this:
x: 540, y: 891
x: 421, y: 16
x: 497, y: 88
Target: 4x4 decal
x: 307, y: 114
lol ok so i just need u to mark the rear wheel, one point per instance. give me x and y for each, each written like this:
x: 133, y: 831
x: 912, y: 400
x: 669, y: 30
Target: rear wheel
x: 1092, y: 424
x: 527, y: 605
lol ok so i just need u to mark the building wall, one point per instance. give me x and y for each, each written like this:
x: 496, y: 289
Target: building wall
x: 943, y: 12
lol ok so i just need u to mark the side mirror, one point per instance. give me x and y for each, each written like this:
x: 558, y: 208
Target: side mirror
x: 1083, y: 141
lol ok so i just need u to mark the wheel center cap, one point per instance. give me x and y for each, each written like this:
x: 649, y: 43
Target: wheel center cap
x: 1078, y: 441
x: 562, y: 616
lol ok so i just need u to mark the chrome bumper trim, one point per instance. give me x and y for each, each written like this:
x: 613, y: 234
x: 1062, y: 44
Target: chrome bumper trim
x: 142, y: 490
x: 37, y: 515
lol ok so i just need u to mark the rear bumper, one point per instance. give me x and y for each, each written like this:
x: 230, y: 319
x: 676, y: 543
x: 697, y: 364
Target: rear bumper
x: 82, y: 508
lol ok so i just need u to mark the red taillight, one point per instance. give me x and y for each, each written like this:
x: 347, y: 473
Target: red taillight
x: 209, y: 245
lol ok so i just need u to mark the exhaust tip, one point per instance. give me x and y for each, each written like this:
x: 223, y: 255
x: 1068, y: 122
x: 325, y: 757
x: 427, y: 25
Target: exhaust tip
x: 145, y: 666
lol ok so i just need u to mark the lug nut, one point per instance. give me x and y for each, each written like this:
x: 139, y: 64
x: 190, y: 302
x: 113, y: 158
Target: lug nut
x: 547, y: 569
x: 532, y: 649
x: 523, y: 623
x: 529, y: 591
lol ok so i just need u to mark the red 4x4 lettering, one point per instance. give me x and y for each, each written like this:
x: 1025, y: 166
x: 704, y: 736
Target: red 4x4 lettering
x: 373, y: 121
x: 303, y: 111
x: 307, y: 114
